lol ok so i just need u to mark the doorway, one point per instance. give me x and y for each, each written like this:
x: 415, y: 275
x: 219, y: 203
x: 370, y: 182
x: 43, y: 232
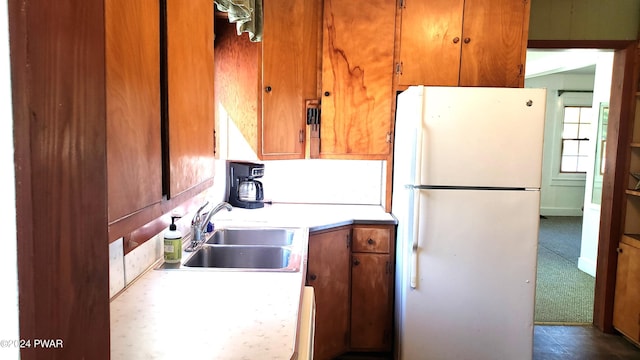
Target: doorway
x: 578, y: 83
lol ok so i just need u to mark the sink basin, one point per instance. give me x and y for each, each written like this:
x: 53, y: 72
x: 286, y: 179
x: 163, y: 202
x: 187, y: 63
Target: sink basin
x: 261, y: 237
x: 241, y: 257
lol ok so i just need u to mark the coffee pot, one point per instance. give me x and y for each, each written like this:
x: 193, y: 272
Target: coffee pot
x: 243, y: 190
x: 250, y: 190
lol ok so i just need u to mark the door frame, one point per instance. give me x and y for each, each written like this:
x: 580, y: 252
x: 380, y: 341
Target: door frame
x: 621, y: 112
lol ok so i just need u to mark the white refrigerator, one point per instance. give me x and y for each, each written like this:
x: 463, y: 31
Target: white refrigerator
x: 466, y: 194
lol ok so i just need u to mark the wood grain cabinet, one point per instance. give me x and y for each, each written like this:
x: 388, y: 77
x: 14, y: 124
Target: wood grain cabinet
x: 372, y: 269
x: 328, y: 271
x: 134, y: 148
x: 262, y: 87
x: 463, y: 42
x: 289, y: 75
x: 160, y: 119
x: 351, y: 269
x: 357, y: 76
x: 626, y: 309
x: 191, y: 114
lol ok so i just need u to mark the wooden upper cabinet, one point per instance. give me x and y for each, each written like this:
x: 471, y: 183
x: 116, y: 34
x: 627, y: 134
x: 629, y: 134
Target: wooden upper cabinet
x: 430, y: 42
x: 289, y: 75
x: 464, y: 42
x: 357, y: 74
x: 190, y: 122
x: 134, y: 150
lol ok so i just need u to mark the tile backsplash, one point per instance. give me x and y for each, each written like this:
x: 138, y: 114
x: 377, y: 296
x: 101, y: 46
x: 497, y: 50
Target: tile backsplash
x: 116, y: 267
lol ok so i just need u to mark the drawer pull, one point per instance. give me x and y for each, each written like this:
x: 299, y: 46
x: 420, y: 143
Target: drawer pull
x: 370, y: 242
x: 313, y: 277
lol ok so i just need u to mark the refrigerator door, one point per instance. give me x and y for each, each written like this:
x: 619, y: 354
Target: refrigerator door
x: 476, y: 272
x: 489, y: 137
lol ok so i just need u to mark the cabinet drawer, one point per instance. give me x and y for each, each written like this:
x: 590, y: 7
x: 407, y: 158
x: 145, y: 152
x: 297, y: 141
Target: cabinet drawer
x: 371, y: 239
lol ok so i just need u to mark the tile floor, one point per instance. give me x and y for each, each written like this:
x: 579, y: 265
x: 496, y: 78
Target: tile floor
x: 551, y: 342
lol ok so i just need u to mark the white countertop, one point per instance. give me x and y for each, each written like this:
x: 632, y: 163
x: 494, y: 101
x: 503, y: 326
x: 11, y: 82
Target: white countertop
x: 312, y: 216
x: 207, y: 315
x: 213, y: 314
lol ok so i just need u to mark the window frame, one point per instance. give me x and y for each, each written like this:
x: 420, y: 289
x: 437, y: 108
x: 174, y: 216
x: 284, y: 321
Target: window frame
x: 581, y: 141
x: 566, y: 99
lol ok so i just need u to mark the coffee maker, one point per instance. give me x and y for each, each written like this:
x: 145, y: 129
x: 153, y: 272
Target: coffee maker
x: 243, y: 190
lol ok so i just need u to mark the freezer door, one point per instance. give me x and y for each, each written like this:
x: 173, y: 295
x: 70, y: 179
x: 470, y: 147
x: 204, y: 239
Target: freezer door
x: 481, y: 137
x: 476, y: 271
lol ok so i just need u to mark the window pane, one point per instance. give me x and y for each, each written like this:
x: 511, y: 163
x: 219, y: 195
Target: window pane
x: 576, y: 125
x: 584, y: 148
x: 570, y: 131
x: 568, y: 164
x: 583, y: 163
x: 585, y: 115
x: 584, y: 131
x: 570, y: 147
x: 571, y: 114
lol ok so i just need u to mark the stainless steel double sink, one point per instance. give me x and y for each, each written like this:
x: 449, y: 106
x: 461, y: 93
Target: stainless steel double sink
x: 248, y: 249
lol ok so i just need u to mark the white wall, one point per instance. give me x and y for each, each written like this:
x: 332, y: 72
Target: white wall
x: 9, y: 329
x: 591, y: 219
x: 560, y: 194
x: 316, y: 181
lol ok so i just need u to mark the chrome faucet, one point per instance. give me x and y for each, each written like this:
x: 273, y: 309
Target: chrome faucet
x: 199, y: 225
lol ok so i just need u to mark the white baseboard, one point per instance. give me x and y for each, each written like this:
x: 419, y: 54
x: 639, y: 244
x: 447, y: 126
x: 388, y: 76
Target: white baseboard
x: 547, y: 211
x: 587, y: 265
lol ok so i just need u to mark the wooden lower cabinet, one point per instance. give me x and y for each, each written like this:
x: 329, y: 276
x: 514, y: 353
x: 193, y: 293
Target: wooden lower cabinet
x: 626, y: 308
x: 328, y: 271
x: 371, y: 308
x: 351, y: 269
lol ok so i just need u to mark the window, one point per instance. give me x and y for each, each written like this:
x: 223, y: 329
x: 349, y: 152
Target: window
x: 576, y: 126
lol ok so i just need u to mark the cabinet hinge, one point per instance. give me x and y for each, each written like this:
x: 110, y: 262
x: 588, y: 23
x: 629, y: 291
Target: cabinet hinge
x: 520, y: 69
x: 348, y: 241
x: 399, y: 68
x: 387, y: 268
x: 301, y: 136
x: 389, y: 138
x: 402, y: 4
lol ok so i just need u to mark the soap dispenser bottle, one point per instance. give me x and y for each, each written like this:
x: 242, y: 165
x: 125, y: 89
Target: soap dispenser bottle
x: 172, y: 243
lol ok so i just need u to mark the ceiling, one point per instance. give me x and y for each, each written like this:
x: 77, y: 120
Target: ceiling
x: 566, y: 61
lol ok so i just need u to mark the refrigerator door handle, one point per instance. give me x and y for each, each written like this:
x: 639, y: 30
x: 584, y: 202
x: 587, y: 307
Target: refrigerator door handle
x: 414, y: 241
x: 417, y: 179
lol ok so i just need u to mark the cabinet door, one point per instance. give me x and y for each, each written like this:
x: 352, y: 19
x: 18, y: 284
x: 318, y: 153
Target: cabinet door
x: 371, y: 305
x: 626, y: 308
x: 289, y: 75
x: 430, y: 42
x: 134, y: 152
x: 494, y: 41
x: 189, y: 93
x: 357, y: 73
x: 328, y: 272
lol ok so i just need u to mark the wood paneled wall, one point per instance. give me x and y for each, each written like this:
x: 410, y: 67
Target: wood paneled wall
x: 58, y: 85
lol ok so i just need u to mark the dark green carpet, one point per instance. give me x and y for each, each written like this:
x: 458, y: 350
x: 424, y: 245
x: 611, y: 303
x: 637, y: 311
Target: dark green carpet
x: 564, y: 294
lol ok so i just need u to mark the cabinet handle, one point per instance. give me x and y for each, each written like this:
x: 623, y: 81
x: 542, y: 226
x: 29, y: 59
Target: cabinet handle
x: 326, y: 93
x: 619, y: 250
x: 356, y: 262
x: 370, y: 242
x: 267, y: 89
x: 313, y: 277
x: 467, y: 40
x: 456, y: 40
